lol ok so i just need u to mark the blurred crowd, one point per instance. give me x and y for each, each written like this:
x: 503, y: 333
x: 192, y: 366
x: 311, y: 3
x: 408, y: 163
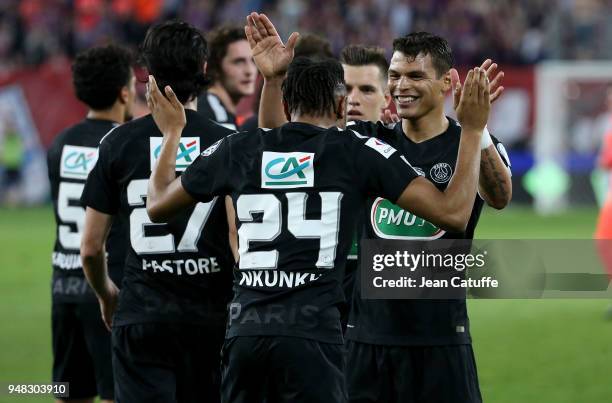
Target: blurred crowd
x: 511, y: 31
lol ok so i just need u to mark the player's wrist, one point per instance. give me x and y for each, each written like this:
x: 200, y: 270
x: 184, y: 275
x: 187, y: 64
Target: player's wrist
x: 485, y: 139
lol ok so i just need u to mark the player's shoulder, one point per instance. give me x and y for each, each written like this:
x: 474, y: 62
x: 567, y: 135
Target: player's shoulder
x: 134, y: 130
x: 86, y: 133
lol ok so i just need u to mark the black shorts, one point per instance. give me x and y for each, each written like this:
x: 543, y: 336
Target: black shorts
x: 411, y: 374
x: 278, y: 369
x: 81, y: 350
x: 167, y: 362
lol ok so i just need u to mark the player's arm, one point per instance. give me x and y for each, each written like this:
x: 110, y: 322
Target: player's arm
x: 272, y: 58
x: 166, y: 196
x: 494, y: 184
x: 452, y: 208
x: 93, y: 256
x: 231, y: 223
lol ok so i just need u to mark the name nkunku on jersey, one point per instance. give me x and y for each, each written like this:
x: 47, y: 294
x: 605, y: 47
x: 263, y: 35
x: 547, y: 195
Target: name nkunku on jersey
x: 178, y: 271
x: 413, y: 322
x: 296, y: 190
x: 70, y: 158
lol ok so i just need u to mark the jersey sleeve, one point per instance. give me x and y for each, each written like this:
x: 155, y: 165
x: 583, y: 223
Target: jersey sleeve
x: 101, y: 192
x: 207, y: 176
x: 501, y: 150
x: 383, y: 170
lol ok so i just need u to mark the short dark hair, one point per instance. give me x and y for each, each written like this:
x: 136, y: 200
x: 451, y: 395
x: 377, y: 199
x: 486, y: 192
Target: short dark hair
x: 98, y: 74
x: 174, y: 52
x: 313, y: 46
x: 361, y: 55
x: 425, y: 43
x: 311, y: 86
x: 219, y: 40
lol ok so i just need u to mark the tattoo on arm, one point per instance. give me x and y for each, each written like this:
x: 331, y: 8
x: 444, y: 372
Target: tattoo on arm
x: 492, y: 179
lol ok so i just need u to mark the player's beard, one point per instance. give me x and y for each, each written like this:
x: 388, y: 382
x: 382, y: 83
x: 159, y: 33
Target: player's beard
x: 127, y: 116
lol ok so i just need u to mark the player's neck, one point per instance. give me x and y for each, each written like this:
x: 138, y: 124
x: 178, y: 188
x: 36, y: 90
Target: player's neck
x: 425, y: 128
x: 193, y: 104
x: 320, y: 121
x: 230, y: 103
x: 116, y: 113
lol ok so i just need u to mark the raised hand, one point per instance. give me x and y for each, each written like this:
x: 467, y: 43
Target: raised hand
x: 475, y: 103
x: 271, y: 56
x: 388, y: 118
x: 167, y: 111
x: 489, y: 68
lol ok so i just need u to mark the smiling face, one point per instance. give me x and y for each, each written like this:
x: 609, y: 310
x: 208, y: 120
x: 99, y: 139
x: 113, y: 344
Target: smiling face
x: 415, y: 86
x: 365, y: 92
x: 238, y: 69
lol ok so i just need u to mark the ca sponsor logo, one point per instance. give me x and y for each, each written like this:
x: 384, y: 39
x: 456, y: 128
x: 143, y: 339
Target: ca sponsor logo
x: 287, y: 170
x: 188, y: 150
x: 77, y: 161
x: 441, y: 172
x: 392, y: 222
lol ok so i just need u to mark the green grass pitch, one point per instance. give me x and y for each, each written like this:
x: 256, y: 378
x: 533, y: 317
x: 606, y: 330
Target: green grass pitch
x: 540, y: 351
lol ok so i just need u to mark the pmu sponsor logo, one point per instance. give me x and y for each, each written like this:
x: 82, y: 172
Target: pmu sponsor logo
x: 182, y: 267
x: 275, y: 278
x: 287, y: 170
x: 188, y: 150
x: 392, y: 222
x: 77, y: 161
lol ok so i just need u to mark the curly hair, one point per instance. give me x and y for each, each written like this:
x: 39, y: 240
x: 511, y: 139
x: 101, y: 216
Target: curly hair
x: 98, y: 74
x: 311, y: 86
x: 174, y: 52
x: 219, y: 40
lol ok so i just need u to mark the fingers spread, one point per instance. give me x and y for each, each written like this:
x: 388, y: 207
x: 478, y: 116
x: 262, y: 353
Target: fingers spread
x: 267, y: 24
x: 253, y: 29
x: 292, y: 41
x: 486, y: 64
x: 259, y: 25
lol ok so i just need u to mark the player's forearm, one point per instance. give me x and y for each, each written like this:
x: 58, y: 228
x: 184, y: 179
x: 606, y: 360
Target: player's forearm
x: 96, y: 272
x: 461, y: 191
x: 271, y: 113
x: 495, y: 184
x: 162, y: 175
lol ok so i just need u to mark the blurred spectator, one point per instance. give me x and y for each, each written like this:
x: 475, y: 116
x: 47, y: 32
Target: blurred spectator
x: 511, y: 31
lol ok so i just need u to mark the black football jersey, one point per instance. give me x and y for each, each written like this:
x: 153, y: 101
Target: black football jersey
x: 179, y: 271
x: 71, y: 157
x: 414, y: 322
x: 211, y: 107
x: 296, y: 190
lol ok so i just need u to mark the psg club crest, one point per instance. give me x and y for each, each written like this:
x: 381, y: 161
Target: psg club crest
x: 441, y: 172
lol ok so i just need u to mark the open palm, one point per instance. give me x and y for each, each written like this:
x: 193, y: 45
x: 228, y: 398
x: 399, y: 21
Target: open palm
x: 271, y: 56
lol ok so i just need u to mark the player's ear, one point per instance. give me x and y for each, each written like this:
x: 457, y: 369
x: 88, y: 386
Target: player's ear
x: 341, y: 109
x: 446, y: 82
x: 124, y: 95
x: 387, y: 100
x: 205, y: 67
x: 286, y: 110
